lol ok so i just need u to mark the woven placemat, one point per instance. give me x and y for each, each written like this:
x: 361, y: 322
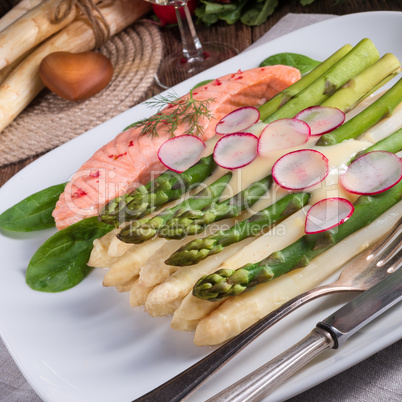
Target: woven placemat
x: 50, y: 121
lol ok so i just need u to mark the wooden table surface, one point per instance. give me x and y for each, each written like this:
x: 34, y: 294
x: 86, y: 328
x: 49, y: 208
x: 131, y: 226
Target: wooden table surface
x: 241, y: 36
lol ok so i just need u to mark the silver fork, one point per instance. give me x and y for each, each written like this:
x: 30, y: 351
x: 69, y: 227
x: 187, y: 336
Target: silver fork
x: 368, y: 268
x: 361, y: 273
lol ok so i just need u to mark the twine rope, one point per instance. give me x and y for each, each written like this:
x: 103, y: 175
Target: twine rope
x: 89, y: 9
x: 51, y: 121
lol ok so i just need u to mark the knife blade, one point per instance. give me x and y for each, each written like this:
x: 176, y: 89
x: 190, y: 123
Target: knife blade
x: 332, y: 332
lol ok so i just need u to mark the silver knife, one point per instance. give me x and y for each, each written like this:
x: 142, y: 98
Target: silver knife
x: 333, y: 332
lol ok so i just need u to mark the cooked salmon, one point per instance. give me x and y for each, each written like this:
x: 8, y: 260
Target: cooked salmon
x: 131, y: 158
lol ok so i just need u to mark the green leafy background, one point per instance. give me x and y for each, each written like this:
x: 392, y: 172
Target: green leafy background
x: 249, y: 12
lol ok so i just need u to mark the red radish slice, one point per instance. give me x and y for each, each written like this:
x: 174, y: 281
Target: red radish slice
x: 321, y: 119
x: 180, y: 153
x: 281, y: 134
x: 300, y: 169
x: 327, y: 214
x: 238, y: 120
x: 372, y: 173
x: 236, y: 150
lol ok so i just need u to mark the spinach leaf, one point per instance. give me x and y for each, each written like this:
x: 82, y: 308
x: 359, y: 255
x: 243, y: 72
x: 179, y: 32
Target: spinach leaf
x: 34, y: 212
x: 299, y: 61
x: 259, y: 13
x: 207, y: 19
x: 250, y: 12
x: 233, y: 16
x: 61, y: 261
x: 209, y: 12
x: 216, y: 8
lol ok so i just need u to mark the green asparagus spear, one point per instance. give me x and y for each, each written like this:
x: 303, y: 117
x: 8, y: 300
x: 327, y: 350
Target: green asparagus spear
x: 167, y: 187
x: 282, y: 97
x: 139, y: 231
x: 195, y: 221
x: 354, y: 62
x: 391, y: 143
x: 367, y: 118
x: 227, y: 282
x: 360, y: 86
x: 199, y: 249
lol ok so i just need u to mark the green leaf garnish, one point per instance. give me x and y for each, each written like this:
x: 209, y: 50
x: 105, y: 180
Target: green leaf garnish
x: 183, y: 111
x: 61, y: 261
x: 34, y: 212
x: 303, y: 63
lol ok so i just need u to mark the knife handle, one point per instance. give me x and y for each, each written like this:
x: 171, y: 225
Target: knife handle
x: 269, y: 376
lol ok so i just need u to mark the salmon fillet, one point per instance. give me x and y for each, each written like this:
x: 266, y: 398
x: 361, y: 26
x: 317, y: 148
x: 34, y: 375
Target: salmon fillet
x: 131, y: 159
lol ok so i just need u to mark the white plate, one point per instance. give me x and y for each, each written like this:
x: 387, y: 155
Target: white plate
x: 87, y: 344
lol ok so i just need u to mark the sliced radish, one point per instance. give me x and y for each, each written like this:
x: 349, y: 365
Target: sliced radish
x: 321, y: 119
x: 300, y: 169
x: 281, y: 134
x: 180, y: 153
x: 327, y: 214
x: 372, y: 173
x: 236, y: 150
x: 238, y: 120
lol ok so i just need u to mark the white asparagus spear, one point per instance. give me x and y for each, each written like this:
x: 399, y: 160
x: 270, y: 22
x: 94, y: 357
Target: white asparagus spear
x: 132, y: 258
x: 17, y: 11
x: 155, y: 270
x: 192, y: 309
x: 99, y: 257
x: 139, y: 294
x: 126, y: 287
x: 166, y: 297
x: 238, y: 313
x: 6, y: 71
x: 30, y: 29
x: 384, y: 127
x: 117, y: 248
x: 130, y: 263
x: 24, y: 83
x: 135, y: 256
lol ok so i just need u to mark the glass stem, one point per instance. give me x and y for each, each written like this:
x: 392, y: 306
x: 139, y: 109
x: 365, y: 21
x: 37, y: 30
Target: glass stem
x: 191, y: 44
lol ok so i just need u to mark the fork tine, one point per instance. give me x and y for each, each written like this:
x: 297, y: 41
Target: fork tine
x: 390, y: 251
x: 389, y: 244
x: 394, y: 263
x: 365, y: 266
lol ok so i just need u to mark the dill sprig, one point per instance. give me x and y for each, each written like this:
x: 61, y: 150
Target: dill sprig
x: 179, y: 111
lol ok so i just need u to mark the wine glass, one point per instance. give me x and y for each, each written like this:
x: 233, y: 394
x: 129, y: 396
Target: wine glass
x: 194, y: 57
